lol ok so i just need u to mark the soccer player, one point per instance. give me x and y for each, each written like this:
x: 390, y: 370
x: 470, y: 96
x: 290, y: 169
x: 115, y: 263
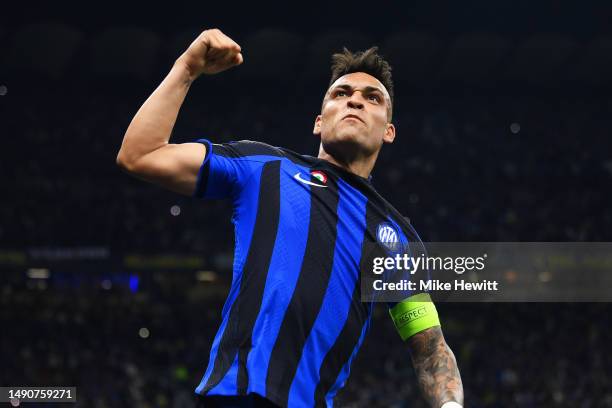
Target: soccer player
x: 294, y: 320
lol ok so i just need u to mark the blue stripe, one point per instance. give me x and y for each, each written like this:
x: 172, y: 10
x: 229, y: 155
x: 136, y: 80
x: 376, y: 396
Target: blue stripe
x: 244, y: 223
x: 229, y: 384
x: 228, y: 175
x: 283, y: 272
x: 337, y: 301
x: 346, y: 369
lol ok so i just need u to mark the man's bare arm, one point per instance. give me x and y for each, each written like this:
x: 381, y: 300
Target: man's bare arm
x: 146, y: 152
x: 436, y: 367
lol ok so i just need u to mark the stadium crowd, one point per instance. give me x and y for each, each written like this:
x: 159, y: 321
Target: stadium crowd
x: 469, y: 168
x: 149, y: 348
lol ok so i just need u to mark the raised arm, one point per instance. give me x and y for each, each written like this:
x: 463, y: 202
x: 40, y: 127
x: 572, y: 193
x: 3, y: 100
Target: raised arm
x: 146, y: 152
x: 436, y: 368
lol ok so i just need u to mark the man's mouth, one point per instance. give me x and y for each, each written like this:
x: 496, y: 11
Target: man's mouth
x: 353, y: 117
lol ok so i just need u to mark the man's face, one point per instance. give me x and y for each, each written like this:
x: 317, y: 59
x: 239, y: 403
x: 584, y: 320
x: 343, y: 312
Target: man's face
x: 354, y: 115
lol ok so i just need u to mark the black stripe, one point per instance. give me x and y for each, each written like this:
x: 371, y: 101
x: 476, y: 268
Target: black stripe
x: 342, y: 349
x: 359, y: 313
x: 244, y: 311
x: 245, y: 148
x: 243, y: 375
x: 309, y: 291
x: 391, y: 211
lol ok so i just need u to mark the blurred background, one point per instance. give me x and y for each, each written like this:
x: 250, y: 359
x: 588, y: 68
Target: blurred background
x: 504, y: 117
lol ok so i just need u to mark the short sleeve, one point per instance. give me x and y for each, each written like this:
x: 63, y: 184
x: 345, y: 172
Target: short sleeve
x: 227, y: 167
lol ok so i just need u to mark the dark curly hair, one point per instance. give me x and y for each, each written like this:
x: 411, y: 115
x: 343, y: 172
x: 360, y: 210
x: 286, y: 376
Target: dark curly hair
x: 368, y: 61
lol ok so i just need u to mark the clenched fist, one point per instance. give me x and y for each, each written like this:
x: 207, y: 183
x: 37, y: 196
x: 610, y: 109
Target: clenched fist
x: 212, y: 52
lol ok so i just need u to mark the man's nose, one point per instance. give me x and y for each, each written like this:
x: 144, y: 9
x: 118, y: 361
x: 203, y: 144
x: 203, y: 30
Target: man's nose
x: 355, y: 101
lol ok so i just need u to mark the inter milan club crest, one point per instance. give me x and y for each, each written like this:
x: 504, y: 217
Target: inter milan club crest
x: 319, y: 175
x: 387, y: 235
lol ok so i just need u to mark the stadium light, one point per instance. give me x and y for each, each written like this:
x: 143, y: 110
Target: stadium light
x: 38, y: 273
x: 206, y: 276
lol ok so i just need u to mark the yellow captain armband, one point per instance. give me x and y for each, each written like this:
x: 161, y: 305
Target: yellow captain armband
x: 414, y: 315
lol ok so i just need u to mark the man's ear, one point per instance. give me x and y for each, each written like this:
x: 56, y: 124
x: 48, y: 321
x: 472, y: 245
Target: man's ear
x: 389, y: 135
x: 317, y: 126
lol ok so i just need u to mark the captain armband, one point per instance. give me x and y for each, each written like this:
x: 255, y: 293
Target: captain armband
x: 414, y: 315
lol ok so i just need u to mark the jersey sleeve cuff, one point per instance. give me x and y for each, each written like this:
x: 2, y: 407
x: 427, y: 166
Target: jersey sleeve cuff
x: 202, y: 179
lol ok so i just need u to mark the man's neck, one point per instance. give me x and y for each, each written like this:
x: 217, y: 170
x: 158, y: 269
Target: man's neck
x: 362, y: 166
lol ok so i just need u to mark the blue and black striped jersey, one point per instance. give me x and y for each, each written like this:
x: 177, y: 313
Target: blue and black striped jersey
x: 293, y: 320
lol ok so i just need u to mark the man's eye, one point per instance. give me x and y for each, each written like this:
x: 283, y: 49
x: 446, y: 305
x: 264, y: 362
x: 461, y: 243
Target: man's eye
x: 374, y: 98
x: 340, y: 93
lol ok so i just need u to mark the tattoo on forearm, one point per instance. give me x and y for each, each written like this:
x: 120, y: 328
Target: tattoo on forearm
x: 436, y: 367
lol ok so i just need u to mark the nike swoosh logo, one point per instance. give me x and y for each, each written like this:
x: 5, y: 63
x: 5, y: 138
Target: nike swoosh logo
x: 298, y: 177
